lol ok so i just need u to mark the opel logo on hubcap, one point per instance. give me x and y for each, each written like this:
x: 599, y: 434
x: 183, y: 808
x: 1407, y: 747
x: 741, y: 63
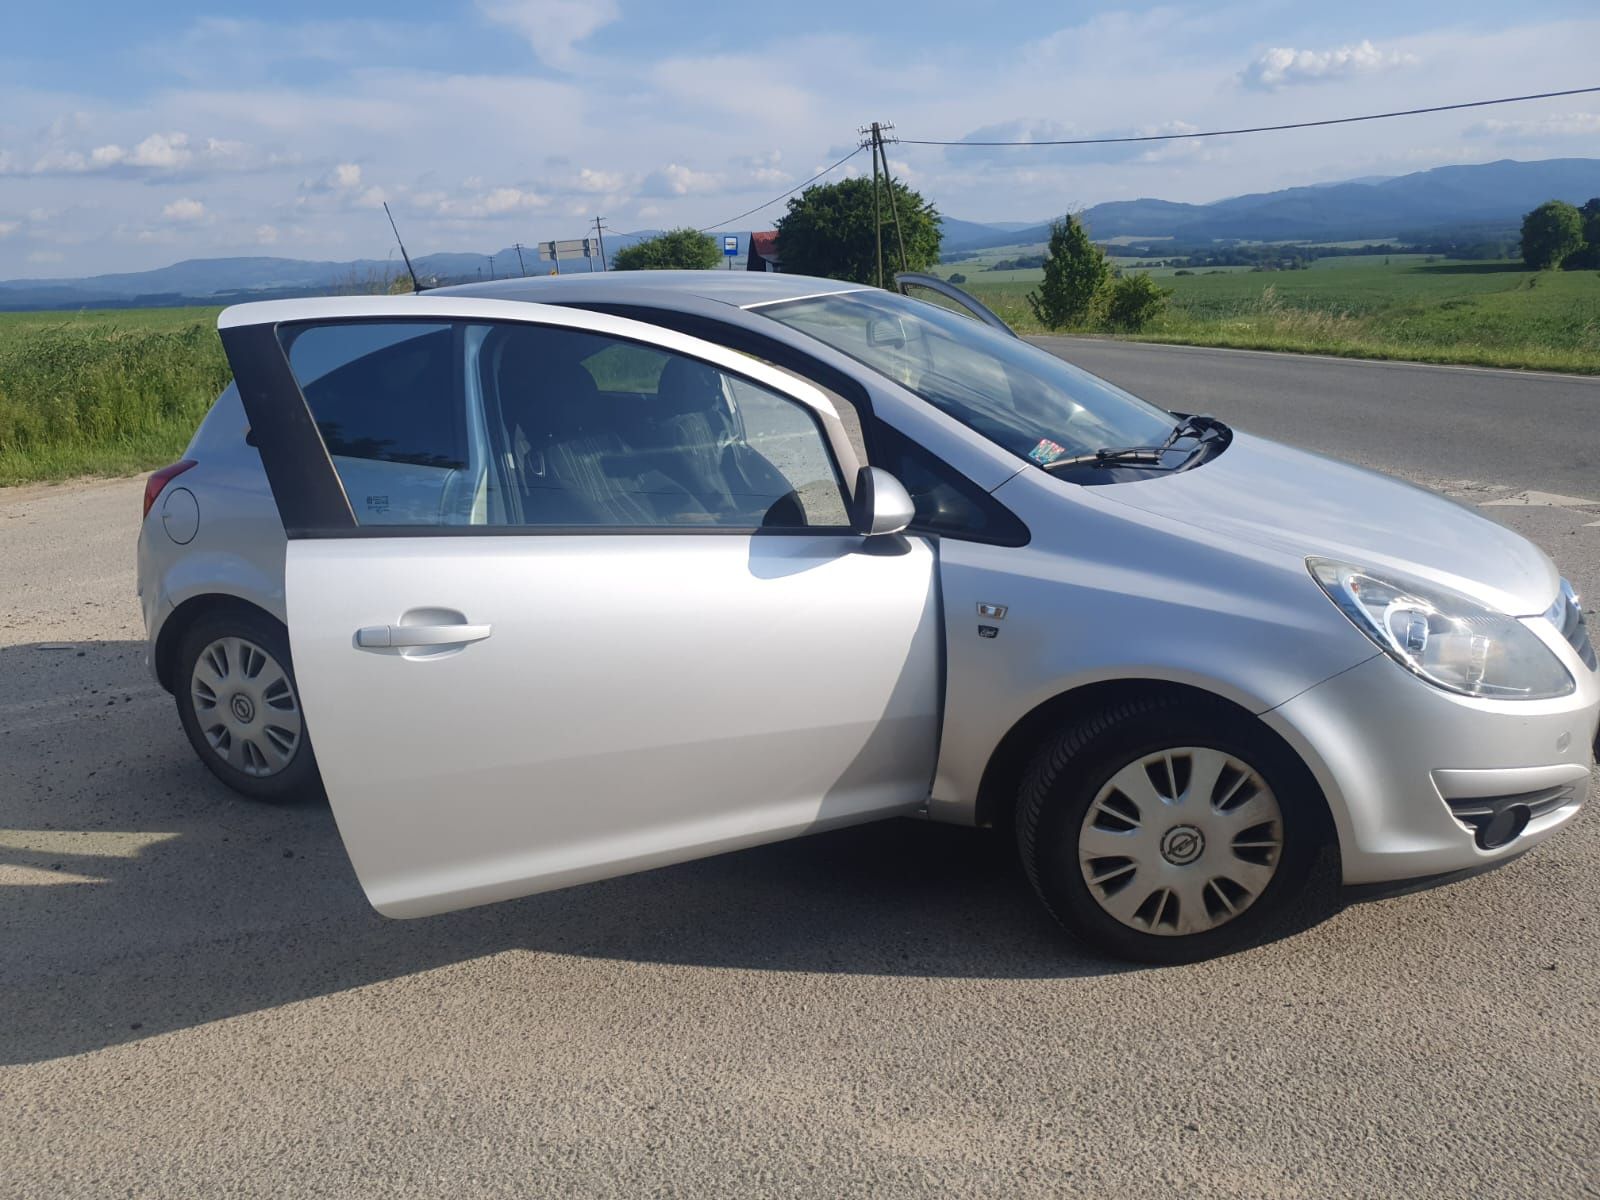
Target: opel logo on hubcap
x: 242, y: 708
x: 1182, y: 844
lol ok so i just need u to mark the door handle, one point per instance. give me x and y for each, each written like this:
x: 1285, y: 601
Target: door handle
x: 383, y: 637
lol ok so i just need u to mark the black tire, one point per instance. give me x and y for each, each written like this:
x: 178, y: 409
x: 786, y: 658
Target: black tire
x: 1068, y: 773
x: 296, y: 781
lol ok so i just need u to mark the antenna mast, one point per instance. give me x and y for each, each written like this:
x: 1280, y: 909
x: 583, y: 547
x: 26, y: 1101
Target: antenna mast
x: 410, y: 270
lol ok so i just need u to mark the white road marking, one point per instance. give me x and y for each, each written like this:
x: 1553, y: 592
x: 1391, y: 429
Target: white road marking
x: 1541, y: 500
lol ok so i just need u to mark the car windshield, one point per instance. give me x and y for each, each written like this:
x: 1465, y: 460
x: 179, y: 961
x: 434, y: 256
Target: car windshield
x: 1013, y: 393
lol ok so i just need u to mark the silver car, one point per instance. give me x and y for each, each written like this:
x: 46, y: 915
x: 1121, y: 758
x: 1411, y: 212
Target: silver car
x: 574, y: 577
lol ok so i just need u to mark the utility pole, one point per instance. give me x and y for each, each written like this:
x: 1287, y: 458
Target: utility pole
x: 601, y: 238
x: 888, y: 182
x: 521, y: 270
x: 870, y: 136
x: 491, y: 266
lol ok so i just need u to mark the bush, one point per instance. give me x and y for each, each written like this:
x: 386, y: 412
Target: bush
x: 1075, y: 271
x: 1135, y: 301
x: 676, y: 250
x: 958, y: 279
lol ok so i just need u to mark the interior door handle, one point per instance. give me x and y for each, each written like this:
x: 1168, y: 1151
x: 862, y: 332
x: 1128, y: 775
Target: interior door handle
x: 381, y: 637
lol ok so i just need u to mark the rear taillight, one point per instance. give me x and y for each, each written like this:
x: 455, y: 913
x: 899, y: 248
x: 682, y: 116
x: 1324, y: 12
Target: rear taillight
x: 157, y: 483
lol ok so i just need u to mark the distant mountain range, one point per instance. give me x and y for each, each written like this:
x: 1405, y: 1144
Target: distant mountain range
x: 1373, y: 207
x: 1377, y: 207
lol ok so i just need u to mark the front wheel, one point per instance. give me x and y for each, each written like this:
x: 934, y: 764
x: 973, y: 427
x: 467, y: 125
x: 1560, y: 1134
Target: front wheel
x: 240, y: 707
x: 1168, y: 831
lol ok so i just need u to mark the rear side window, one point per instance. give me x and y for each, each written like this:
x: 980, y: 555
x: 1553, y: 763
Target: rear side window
x: 381, y: 391
x: 388, y: 400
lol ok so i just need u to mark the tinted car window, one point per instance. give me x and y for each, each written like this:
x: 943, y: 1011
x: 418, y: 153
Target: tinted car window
x: 387, y: 399
x: 599, y: 431
x: 382, y: 391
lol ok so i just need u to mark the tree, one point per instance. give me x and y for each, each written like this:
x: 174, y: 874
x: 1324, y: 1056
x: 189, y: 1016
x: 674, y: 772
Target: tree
x: 1590, y: 212
x: 958, y: 279
x: 829, y: 231
x: 1589, y: 256
x: 676, y: 250
x: 1550, y: 233
x: 1075, y: 270
x: 1135, y: 301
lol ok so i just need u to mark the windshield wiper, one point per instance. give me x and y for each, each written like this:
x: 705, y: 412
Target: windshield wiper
x: 1196, y: 425
x: 1206, y: 430
x: 1112, y: 456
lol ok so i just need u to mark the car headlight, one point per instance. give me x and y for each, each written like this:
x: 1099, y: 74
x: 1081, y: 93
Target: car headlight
x: 1449, y: 639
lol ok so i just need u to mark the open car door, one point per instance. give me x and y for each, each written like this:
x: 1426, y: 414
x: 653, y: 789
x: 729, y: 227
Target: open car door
x: 947, y: 295
x: 570, y: 595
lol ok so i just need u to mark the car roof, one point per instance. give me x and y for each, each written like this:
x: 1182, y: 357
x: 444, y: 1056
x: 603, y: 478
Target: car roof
x: 743, y: 289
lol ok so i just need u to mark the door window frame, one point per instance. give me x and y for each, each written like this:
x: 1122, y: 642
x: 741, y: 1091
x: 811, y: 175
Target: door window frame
x: 311, y: 499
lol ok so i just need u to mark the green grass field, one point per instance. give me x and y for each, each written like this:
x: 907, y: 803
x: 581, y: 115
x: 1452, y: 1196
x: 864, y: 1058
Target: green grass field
x: 1482, y: 313
x: 104, y: 393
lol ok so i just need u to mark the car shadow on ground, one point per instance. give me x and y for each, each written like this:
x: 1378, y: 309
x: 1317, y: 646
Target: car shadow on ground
x: 139, y: 896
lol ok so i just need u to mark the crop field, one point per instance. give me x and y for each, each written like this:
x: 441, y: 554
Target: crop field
x: 1406, y: 307
x: 103, y: 393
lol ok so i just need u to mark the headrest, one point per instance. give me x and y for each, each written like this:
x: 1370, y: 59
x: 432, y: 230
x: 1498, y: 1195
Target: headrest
x: 688, y: 386
x: 543, y: 387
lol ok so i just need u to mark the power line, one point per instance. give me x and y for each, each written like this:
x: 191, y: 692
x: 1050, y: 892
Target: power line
x: 786, y: 195
x: 1173, y: 137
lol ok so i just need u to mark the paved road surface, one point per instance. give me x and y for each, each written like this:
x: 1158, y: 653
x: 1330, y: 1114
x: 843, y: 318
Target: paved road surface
x: 195, y: 999
x: 1449, y: 422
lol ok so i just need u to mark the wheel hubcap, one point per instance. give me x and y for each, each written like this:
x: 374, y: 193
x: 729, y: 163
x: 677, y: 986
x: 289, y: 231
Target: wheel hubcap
x: 1181, y: 841
x: 246, y: 707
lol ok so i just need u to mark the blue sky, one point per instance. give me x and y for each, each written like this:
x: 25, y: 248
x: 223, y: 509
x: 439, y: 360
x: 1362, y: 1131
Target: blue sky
x: 134, y: 135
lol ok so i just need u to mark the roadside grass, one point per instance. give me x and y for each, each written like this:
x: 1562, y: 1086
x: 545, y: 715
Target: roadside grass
x: 1493, y: 314
x: 103, y: 393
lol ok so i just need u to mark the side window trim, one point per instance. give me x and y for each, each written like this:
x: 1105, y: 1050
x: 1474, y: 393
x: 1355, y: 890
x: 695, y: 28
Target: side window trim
x: 308, y: 492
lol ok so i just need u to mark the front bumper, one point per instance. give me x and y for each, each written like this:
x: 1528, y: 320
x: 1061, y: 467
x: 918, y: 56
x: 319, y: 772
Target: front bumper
x: 1409, y: 770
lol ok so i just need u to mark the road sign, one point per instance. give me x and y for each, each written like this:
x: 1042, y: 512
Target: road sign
x: 730, y: 246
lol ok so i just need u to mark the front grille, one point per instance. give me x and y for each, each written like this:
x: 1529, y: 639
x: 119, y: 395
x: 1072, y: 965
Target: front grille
x: 1485, y: 815
x: 1567, y: 616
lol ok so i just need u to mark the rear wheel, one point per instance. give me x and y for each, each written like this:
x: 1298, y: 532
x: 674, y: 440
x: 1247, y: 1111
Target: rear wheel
x: 1168, y: 830
x: 240, y: 708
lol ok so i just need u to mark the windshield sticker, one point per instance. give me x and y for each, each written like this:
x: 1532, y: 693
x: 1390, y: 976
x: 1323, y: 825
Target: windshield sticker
x: 1046, y: 451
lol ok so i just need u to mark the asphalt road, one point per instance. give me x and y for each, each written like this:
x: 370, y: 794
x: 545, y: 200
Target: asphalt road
x: 1450, y: 422
x: 196, y: 1000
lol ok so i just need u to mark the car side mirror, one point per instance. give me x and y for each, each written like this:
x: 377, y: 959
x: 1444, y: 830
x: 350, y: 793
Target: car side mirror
x: 882, y: 503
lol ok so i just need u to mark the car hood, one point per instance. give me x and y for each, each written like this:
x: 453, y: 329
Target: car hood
x: 1303, y: 503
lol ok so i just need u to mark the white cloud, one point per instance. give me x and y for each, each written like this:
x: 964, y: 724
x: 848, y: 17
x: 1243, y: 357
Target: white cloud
x: 7, y: 228
x: 162, y: 150
x: 266, y: 235
x: 552, y: 27
x: 764, y: 170
x: 44, y: 256
x: 495, y: 202
x: 676, y: 180
x: 346, y: 176
x: 1573, y: 124
x: 600, y: 181
x: 373, y: 197
x: 510, y: 199
x: 184, y: 210
x: 1285, y: 67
